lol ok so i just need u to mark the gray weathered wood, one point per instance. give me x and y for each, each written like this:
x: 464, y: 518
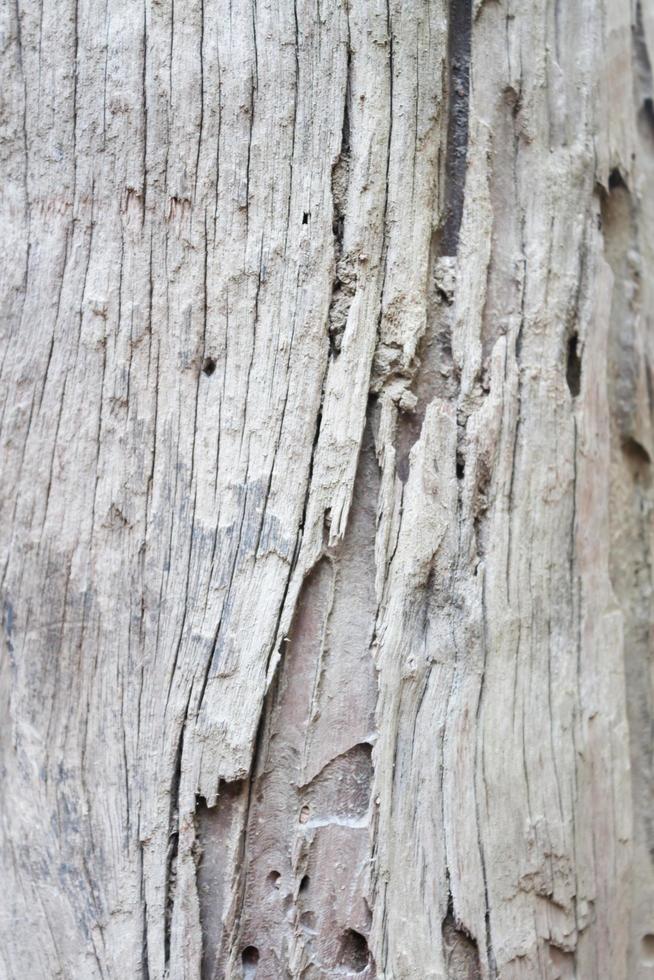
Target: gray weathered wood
x: 327, y: 505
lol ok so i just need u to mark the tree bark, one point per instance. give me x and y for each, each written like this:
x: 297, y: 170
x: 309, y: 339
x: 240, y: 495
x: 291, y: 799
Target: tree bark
x: 327, y: 498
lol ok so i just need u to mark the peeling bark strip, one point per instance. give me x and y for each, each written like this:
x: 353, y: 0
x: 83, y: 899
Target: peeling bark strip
x: 327, y: 509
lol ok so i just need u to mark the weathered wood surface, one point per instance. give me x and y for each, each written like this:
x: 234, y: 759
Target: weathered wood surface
x: 326, y: 489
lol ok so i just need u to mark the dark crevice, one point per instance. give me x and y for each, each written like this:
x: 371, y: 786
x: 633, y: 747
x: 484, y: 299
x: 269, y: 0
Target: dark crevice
x: 460, y: 950
x: 642, y: 63
x: 145, y: 955
x: 647, y: 949
x: 459, y: 50
x: 250, y: 960
x: 573, y: 366
x: 344, y: 282
x: 616, y: 179
x: 354, y: 954
x: 173, y: 836
x: 208, y: 366
x: 636, y: 454
x: 646, y: 114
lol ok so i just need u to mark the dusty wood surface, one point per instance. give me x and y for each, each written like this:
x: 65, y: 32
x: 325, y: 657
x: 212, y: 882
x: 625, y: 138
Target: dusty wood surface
x: 326, y: 493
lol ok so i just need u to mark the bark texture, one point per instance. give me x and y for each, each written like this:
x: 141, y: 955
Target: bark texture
x: 327, y: 499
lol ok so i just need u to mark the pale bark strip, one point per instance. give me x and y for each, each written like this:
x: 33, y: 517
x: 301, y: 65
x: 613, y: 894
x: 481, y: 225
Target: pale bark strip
x: 326, y: 500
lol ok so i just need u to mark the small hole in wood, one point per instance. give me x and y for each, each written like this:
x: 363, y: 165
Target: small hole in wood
x: 304, y: 884
x: 208, y: 366
x: 616, y: 179
x: 460, y: 466
x: 273, y: 879
x: 305, y: 218
x: 635, y: 453
x: 250, y: 960
x: 353, y: 953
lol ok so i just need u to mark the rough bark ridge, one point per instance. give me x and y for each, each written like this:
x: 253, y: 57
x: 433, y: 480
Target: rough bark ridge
x: 326, y: 494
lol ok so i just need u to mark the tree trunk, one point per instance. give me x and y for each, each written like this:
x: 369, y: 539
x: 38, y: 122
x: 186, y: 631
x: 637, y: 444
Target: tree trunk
x: 327, y: 497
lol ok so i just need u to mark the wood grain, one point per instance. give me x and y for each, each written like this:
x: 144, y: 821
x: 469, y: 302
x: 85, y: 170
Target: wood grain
x: 326, y: 507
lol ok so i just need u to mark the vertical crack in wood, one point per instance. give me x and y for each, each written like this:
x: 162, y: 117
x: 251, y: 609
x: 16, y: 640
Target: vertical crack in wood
x: 344, y: 281
x: 456, y: 154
